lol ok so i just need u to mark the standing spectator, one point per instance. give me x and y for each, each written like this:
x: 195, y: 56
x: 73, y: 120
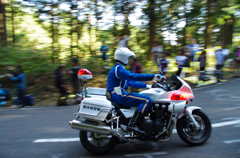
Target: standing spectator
x: 104, y: 49
x: 181, y: 60
x: 18, y: 76
x: 163, y: 64
x: 76, y: 85
x: 156, y: 51
x: 220, y: 55
x: 189, y: 54
x: 193, y: 48
x: 135, y: 66
x: 202, y: 61
x: 61, y: 85
x: 237, y: 54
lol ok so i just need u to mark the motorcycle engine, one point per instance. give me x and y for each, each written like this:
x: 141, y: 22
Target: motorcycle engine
x: 151, y: 127
x: 155, y: 123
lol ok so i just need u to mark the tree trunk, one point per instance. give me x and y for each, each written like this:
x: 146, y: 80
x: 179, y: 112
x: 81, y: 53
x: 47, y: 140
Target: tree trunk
x: 126, y: 13
x: 90, y: 35
x: 3, y: 20
x: 227, y: 31
x: 54, y: 34
x: 115, y: 30
x: 126, y: 30
x: 13, y: 22
x: 211, y: 9
x: 151, y: 25
x: 53, y: 56
x: 71, y: 36
x: 96, y: 12
x: 79, y: 34
x: 184, y: 39
x: 97, y: 17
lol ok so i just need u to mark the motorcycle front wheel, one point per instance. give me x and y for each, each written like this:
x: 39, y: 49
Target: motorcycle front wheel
x: 97, y: 144
x: 191, y: 135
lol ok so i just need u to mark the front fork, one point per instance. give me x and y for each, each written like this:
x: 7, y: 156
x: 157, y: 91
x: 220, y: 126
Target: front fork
x: 189, y: 114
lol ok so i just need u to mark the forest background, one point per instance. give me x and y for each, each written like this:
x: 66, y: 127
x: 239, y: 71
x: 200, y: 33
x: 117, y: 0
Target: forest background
x: 41, y: 34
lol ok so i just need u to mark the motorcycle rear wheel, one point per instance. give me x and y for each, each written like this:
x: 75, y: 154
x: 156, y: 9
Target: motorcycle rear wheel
x: 97, y: 144
x: 191, y: 136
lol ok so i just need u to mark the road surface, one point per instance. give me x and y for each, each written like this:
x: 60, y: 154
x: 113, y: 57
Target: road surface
x: 43, y: 132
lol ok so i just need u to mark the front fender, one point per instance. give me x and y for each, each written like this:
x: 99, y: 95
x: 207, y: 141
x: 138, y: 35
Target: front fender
x: 189, y: 110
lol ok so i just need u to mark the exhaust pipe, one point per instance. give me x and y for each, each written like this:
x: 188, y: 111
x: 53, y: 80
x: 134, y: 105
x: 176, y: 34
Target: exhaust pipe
x: 75, y: 124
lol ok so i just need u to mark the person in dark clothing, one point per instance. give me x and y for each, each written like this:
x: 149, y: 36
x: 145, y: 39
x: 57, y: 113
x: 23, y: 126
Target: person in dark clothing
x: 19, y: 77
x: 135, y: 66
x: 59, y: 80
x: 76, y: 84
x: 237, y: 55
x: 60, y: 85
x: 163, y: 64
x: 104, y: 49
x: 202, y: 61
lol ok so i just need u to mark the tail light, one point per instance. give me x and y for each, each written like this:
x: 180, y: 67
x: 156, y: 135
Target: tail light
x: 85, y: 74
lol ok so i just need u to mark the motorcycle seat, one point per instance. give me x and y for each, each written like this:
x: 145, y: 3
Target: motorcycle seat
x: 120, y: 106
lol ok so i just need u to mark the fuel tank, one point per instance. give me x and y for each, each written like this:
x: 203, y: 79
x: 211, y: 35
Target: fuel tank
x: 157, y: 95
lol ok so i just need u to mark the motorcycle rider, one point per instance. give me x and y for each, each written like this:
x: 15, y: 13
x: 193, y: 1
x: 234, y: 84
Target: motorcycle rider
x: 119, y: 79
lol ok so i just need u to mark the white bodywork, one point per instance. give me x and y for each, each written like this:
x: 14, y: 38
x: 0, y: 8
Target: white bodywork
x: 98, y: 107
x: 156, y: 94
x: 100, y: 122
x: 95, y: 108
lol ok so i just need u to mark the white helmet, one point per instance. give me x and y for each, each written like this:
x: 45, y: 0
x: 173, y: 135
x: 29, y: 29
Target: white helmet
x: 122, y: 54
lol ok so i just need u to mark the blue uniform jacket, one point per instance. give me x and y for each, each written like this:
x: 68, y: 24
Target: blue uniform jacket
x: 120, y: 77
x: 21, y: 80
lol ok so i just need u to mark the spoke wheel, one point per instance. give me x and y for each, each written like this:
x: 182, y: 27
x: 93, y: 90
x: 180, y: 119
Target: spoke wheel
x: 97, y: 143
x: 189, y: 134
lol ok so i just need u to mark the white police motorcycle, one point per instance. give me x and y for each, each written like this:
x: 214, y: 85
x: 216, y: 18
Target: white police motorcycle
x: 103, y: 124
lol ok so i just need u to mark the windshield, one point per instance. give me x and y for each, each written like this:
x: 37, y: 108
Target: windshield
x: 96, y: 91
x: 182, y: 92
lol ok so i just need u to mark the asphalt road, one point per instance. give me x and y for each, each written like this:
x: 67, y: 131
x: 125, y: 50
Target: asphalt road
x: 28, y: 132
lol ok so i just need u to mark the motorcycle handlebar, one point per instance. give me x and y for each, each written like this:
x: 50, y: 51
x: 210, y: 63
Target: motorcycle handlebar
x: 162, y: 84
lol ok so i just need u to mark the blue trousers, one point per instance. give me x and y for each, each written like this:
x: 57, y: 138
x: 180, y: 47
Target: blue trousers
x: 20, y: 96
x: 133, y: 99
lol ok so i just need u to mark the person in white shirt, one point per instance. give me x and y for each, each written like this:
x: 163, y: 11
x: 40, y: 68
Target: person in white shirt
x: 193, y: 48
x: 156, y: 51
x: 158, y: 55
x: 220, y: 55
x: 181, y: 60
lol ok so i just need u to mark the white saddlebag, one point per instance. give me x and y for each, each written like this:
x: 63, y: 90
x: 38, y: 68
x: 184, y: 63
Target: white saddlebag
x: 94, y: 108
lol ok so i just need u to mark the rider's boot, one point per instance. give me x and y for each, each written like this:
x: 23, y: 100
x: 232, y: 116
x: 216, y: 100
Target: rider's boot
x: 132, y: 126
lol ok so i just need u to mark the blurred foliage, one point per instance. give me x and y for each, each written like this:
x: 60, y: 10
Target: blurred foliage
x: 44, y: 30
x: 45, y: 33
x: 33, y: 62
